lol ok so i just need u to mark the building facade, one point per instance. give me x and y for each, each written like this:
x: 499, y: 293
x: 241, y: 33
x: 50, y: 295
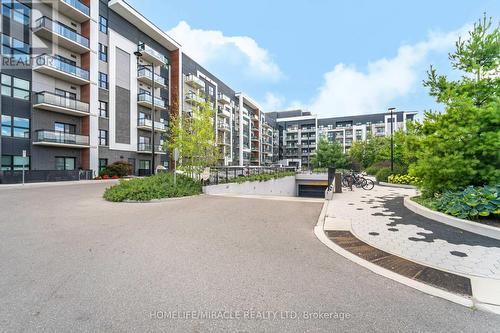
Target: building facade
x: 86, y: 83
x: 298, y: 132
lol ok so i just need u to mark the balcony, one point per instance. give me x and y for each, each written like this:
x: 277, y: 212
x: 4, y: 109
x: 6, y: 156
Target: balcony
x: 223, y: 99
x: 51, y: 102
x: 61, y: 35
x: 60, y: 139
x: 151, y: 55
x: 73, y: 9
x: 223, y: 126
x: 146, y: 76
x: 195, y: 82
x: 52, y: 66
x: 292, y: 129
x: 145, y: 148
x: 223, y: 112
x: 146, y: 100
x: 194, y: 99
x: 146, y: 124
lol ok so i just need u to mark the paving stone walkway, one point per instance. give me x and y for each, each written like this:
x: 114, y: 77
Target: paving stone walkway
x: 379, y: 218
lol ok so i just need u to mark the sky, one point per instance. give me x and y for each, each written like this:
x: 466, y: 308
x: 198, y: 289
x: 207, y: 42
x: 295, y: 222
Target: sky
x: 331, y: 57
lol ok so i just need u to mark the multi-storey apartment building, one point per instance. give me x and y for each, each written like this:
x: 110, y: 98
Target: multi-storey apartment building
x: 298, y: 132
x: 91, y: 82
x: 297, y: 136
x: 347, y: 130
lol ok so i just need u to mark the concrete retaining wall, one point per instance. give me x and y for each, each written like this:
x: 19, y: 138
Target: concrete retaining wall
x: 277, y: 187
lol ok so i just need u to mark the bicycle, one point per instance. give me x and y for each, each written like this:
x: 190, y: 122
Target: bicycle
x: 350, y: 179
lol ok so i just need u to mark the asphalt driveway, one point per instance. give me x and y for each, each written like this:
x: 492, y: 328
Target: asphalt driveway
x: 70, y: 261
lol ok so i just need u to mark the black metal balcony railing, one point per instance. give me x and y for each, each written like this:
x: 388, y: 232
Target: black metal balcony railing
x: 55, y: 63
x: 62, y: 30
x: 79, y: 6
x: 51, y: 136
x: 45, y: 97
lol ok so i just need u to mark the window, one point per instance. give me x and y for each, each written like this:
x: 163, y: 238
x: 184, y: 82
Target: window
x: 103, y: 138
x: 144, y: 164
x: 103, y: 109
x: 103, y: 80
x: 65, y: 163
x: 210, y: 90
x: 15, y: 87
x: 65, y: 128
x: 15, y: 127
x: 10, y: 163
x: 16, y: 11
x: 103, y: 24
x: 65, y: 94
x: 15, y: 48
x: 103, y: 163
x: 103, y: 52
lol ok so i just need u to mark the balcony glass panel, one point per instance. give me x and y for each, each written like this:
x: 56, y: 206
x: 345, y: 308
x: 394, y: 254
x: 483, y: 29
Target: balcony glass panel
x: 62, y: 30
x: 61, y: 137
x: 52, y: 62
x: 79, y: 6
x: 61, y: 101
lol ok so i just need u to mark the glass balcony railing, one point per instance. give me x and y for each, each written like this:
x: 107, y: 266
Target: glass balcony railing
x: 149, y: 50
x: 45, y: 97
x: 147, y: 98
x: 61, y: 30
x: 146, y: 72
x: 146, y: 148
x: 148, y: 123
x: 51, y: 136
x: 55, y: 63
x: 80, y: 6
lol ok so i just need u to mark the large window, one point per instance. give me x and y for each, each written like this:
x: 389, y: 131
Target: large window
x: 15, y: 87
x: 16, y: 11
x: 65, y: 94
x: 103, y: 24
x: 15, y: 48
x: 144, y: 164
x: 103, y: 109
x: 65, y: 128
x: 15, y: 127
x: 65, y: 163
x: 103, y: 138
x: 10, y: 163
x: 103, y: 80
x: 103, y: 52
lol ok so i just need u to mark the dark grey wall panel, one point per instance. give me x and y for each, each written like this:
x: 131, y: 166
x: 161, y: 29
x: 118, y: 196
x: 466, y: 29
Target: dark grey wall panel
x: 44, y: 158
x: 122, y: 113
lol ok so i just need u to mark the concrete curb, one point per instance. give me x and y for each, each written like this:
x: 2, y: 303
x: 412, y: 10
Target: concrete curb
x: 60, y: 183
x: 397, y: 185
x: 474, y: 227
x: 320, y: 234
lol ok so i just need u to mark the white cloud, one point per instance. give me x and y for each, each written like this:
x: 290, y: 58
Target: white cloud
x: 348, y: 91
x: 272, y: 102
x: 211, y: 46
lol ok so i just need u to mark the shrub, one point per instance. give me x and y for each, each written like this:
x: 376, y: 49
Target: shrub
x: 404, y: 179
x: 376, y: 167
x: 263, y: 176
x: 154, y: 187
x: 120, y: 169
x: 383, y: 174
x: 472, y: 202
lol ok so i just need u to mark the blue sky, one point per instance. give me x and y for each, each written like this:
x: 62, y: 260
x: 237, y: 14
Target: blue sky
x: 331, y: 57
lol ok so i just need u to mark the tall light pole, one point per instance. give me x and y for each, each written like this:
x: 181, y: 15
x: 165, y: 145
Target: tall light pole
x: 392, y: 138
x: 138, y: 54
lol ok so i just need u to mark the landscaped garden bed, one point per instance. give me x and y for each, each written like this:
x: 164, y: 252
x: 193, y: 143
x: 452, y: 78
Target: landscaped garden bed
x: 481, y: 204
x: 159, y: 186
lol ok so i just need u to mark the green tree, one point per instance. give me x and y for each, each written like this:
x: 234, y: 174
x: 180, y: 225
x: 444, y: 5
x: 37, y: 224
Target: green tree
x: 461, y: 146
x: 193, y: 135
x: 329, y: 154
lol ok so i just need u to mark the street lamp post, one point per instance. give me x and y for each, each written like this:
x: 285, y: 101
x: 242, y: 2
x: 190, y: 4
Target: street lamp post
x: 138, y: 54
x: 392, y: 139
